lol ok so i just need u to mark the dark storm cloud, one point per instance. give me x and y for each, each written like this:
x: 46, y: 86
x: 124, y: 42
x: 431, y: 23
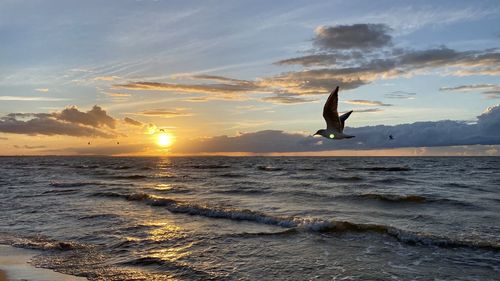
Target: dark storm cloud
x: 132, y: 121
x: 420, y: 134
x: 356, y: 36
x: 96, y: 117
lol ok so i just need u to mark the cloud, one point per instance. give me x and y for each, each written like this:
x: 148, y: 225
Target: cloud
x: 117, y: 95
x: 14, y: 98
x: 30, y: 147
x: 69, y: 122
x: 492, y: 94
x: 311, y: 60
x: 367, y: 102
x: 48, y: 126
x: 110, y: 150
x: 165, y: 113
x: 286, y: 99
x: 228, y: 88
x: 367, y: 110
x: 106, y: 78
x: 132, y: 121
x: 473, y: 87
x: 420, y: 134
x: 43, y: 90
x: 399, y: 63
x: 356, y: 36
x: 489, y: 120
x: 96, y: 117
x: 400, y: 95
x: 491, y: 91
x: 350, y: 56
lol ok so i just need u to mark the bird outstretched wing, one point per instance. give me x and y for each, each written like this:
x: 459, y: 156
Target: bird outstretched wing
x: 330, y: 112
x: 342, y: 118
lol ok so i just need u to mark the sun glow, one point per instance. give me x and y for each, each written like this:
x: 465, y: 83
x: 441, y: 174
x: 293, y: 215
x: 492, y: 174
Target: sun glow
x: 164, y: 140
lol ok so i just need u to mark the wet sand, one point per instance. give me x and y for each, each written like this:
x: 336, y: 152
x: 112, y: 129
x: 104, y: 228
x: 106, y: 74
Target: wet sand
x: 14, y: 266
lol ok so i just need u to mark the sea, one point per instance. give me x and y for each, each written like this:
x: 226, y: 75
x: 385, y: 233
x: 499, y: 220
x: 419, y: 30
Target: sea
x: 255, y: 218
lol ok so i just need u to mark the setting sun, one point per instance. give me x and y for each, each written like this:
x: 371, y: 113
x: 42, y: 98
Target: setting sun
x: 164, y: 140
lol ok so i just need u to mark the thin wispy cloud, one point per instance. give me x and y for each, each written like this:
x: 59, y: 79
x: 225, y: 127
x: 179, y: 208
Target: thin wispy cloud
x: 17, y: 98
x: 400, y: 95
x: 287, y: 99
x: 367, y: 102
x: 490, y: 91
x: 164, y: 113
x: 30, y: 146
x: 131, y: 121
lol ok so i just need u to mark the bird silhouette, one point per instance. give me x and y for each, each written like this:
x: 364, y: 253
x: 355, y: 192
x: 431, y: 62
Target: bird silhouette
x: 334, y: 123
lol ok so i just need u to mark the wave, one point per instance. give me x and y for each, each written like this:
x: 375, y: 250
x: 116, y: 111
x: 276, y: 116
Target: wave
x: 346, y: 179
x: 231, y: 175
x: 38, y: 243
x: 60, y: 191
x: 411, y: 198
x: 269, y: 168
x: 99, y: 216
x: 392, y: 197
x: 409, y: 237
x: 130, y: 177
x: 178, y: 268
x: 209, y: 166
x: 74, y: 183
x: 242, y: 190
x: 122, y: 167
x: 393, y: 180
x: 175, y: 206
x: 302, y: 224
x: 85, y: 166
x: 382, y: 169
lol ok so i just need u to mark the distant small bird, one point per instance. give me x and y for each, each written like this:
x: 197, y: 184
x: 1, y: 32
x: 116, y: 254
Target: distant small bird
x: 88, y: 143
x: 334, y: 123
x: 117, y: 142
x: 391, y: 137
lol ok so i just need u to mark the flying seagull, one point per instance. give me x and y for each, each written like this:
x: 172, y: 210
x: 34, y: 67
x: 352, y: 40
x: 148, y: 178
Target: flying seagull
x: 391, y: 137
x: 334, y: 123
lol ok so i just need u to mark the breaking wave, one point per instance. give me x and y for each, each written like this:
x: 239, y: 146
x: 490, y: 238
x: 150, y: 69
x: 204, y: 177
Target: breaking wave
x: 301, y: 224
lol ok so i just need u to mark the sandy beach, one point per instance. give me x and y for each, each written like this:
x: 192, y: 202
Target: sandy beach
x: 14, y: 266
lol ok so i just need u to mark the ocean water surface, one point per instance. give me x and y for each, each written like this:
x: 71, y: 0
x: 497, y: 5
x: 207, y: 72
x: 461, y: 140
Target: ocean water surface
x: 256, y: 218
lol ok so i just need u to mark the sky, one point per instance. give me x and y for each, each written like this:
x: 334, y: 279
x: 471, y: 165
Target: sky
x: 248, y: 77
